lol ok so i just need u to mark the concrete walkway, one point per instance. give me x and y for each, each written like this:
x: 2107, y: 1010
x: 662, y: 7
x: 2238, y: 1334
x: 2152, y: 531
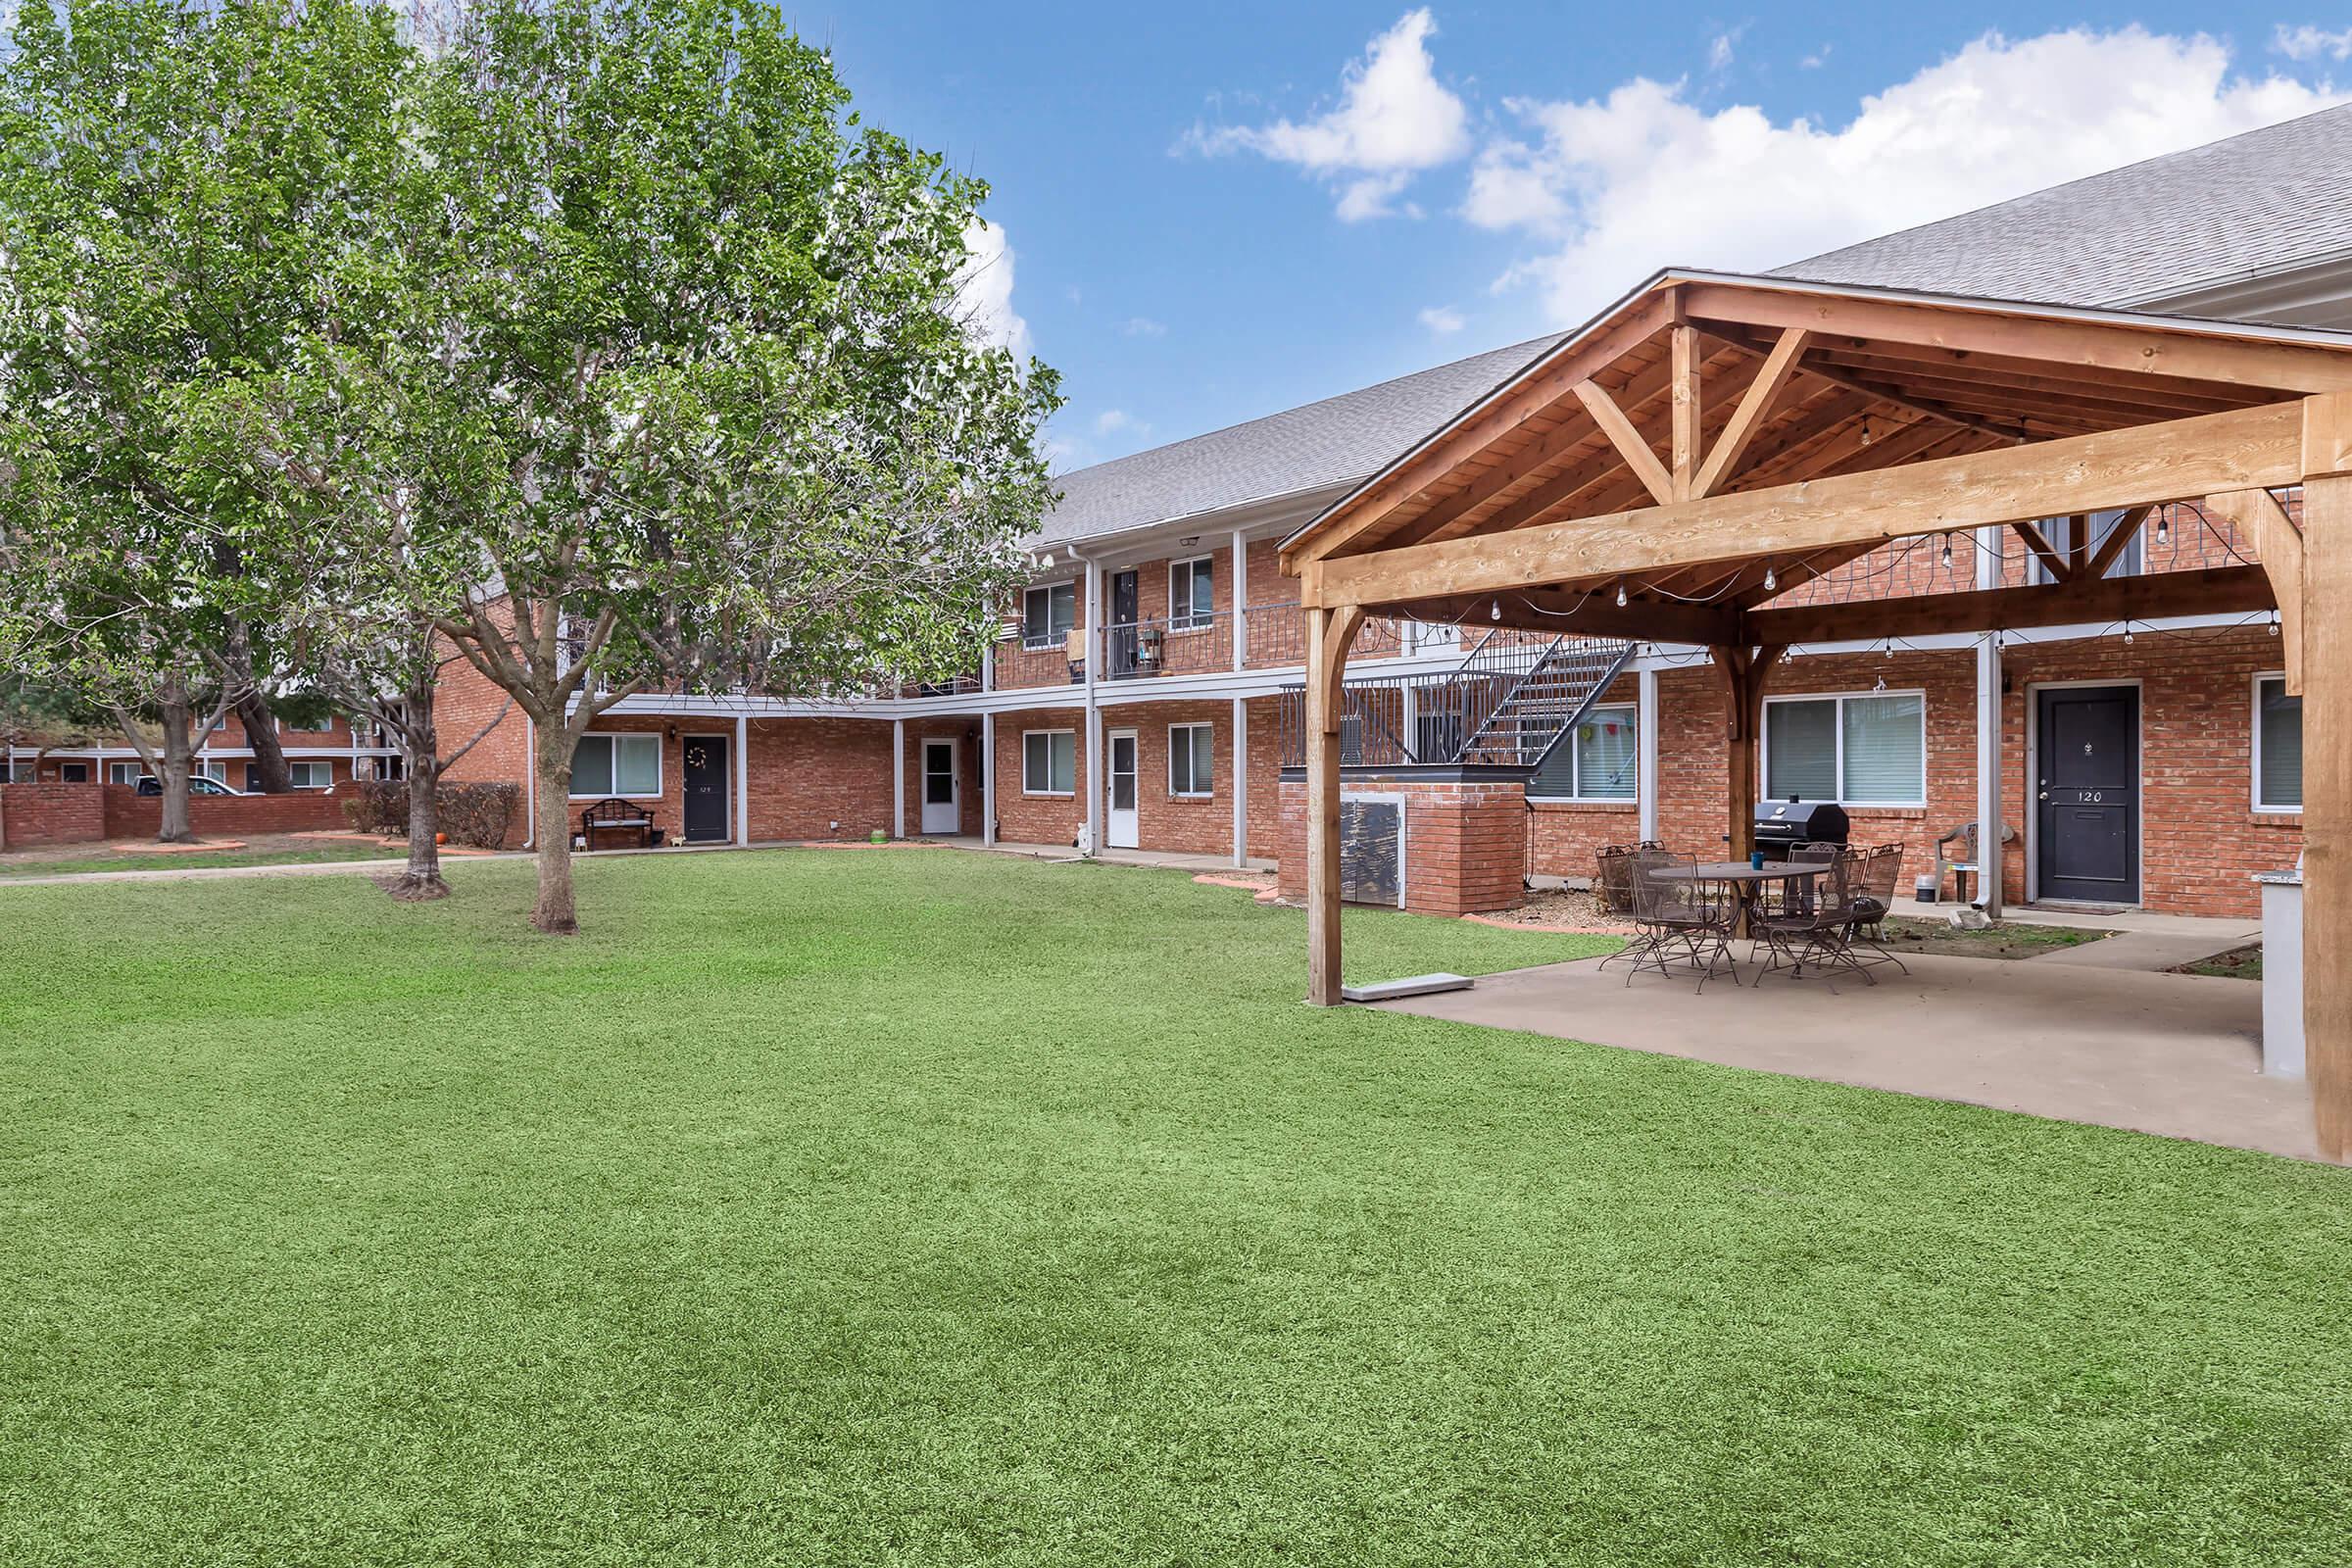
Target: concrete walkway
x: 2143, y: 942
x: 1166, y: 859
x: 2172, y: 1055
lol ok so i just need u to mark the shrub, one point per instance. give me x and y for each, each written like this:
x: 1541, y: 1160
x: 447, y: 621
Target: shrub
x: 479, y: 815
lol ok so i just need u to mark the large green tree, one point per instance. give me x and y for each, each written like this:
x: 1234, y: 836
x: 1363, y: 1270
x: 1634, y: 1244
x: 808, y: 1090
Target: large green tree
x: 658, y: 375
x: 180, y: 182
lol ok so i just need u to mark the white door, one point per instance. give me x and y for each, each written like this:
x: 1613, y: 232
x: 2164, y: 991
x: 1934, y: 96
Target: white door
x: 943, y: 811
x: 1118, y: 830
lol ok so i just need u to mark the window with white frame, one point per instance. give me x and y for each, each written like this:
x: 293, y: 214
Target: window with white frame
x: 1192, y: 592
x: 1867, y: 748
x: 617, y: 764
x: 311, y: 775
x: 123, y: 772
x: 73, y: 772
x: 1049, y: 761
x: 385, y: 770
x: 2277, y: 747
x: 214, y: 768
x: 1191, y: 758
x: 25, y: 772
x: 1048, y: 613
x: 1602, y: 755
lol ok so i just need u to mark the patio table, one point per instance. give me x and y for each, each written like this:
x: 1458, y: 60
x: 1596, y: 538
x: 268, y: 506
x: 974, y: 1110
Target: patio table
x: 1746, y: 881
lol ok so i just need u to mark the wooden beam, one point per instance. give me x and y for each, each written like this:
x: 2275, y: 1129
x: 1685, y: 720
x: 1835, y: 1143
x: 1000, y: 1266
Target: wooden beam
x: 2146, y: 348
x: 1685, y: 389
x: 2057, y: 565
x: 2091, y: 601
x: 1627, y: 440
x: 2247, y: 449
x: 1594, y: 613
x: 2263, y: 522
x: 2118, y: 539
x: 1481, y: 426
x: 1881, y: 390
x: 1748, y: 416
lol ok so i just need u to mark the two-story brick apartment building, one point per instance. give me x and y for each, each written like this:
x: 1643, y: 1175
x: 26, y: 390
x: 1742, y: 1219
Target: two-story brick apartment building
x: 1136, y: 697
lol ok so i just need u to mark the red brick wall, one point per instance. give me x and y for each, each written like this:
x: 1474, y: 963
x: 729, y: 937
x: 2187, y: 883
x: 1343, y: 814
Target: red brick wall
x: 2201, y: 839
x: 1039, y: 818
x: 807, y: 774
x: 465, y: 702
x: 34, y: 815
x: 1465, y: 844
x: 130, y: 814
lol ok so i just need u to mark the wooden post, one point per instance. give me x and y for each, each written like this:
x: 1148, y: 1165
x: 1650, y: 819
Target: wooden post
x: 1328, y: 634
x: 2328, y: 771
x: 1743, y: 669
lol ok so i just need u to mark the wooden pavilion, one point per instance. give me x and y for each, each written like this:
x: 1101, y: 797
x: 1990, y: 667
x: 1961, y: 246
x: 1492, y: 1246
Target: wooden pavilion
x: 1678, y: 470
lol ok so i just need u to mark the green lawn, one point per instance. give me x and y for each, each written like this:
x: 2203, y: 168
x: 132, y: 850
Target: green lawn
x: 191, y: 859
x: 926, y: 1208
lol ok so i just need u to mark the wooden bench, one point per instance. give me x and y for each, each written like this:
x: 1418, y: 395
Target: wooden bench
x: 611, y: 818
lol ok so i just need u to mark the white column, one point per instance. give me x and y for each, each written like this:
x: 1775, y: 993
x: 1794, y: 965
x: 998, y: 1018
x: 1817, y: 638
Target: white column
x: 1241, y: 600
x: 1988, y: 736
x: 988, y: 779
x: 1240, y: 779
x: 898, y: 779
x: 530, y: 783
x: 743, y: 779
x: 1097, y: 646
x: 1646, y: 755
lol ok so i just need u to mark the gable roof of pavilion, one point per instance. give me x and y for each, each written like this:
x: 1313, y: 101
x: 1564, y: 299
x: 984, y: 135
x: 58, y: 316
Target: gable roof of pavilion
x: 1797, y: 384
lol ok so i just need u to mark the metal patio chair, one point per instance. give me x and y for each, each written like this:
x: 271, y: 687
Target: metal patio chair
x: 1688, y: 922
x: 1815, y: 932
x: 1878, y: 875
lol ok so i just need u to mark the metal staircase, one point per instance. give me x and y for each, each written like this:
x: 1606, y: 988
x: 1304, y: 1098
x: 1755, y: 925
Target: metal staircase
x: 1505, y: 705
x: 1546, y: 701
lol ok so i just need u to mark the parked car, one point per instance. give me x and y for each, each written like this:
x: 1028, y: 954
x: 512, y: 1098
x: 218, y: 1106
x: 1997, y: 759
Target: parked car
x: 149, y: 784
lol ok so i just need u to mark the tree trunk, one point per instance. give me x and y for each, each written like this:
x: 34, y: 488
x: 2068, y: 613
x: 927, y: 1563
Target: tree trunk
x: 260, y: 733
x: 555, y: 912
x: 421, y: 745
x: 175, y: 763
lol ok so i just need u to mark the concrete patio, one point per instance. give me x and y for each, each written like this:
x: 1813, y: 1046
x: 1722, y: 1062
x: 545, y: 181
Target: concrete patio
x: 2178, y: 1055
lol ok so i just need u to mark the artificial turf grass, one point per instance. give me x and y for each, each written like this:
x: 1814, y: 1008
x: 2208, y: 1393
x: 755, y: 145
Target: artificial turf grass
x: 933, y: 1207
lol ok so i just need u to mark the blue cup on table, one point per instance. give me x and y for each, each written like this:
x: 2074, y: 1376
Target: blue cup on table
x: 1755, y: 859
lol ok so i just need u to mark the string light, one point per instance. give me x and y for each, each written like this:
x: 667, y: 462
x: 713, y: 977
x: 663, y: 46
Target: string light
x: 1620, y: 595
x: 1496, y: 613
x: 1947, y: 551
x: 2163, y: 525
x: 1771, y: 582
x: 2274, y: 623
x: 2126, y: 635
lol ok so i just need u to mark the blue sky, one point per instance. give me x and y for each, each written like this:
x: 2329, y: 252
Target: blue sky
x: 1218, y: 211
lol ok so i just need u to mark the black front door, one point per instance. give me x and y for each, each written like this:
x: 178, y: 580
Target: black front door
x: 2087, y: 763
x: 1124, y: 608
x: 706, y: 778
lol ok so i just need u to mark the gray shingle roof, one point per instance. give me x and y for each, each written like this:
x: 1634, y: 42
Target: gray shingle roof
x: 2258, y: 203
x: 1298, y: 449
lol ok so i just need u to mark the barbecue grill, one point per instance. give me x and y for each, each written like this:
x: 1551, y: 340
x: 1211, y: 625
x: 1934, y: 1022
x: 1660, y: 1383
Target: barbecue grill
x: 1782, y: 825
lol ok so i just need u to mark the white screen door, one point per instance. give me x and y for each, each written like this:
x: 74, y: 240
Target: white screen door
x: 941, y: 810
x: 1118, y: 831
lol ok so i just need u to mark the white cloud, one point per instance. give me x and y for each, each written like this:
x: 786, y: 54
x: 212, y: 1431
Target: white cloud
x: 983, y: 289
x: 2308, y: 42
x: 1143, y: 326
x: 1394, y: 119
x: 1641, y: 179
x: 1113, y: 422
x: 1721, y: 46
x: 1442, y: 320
x: 1816, y: 59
